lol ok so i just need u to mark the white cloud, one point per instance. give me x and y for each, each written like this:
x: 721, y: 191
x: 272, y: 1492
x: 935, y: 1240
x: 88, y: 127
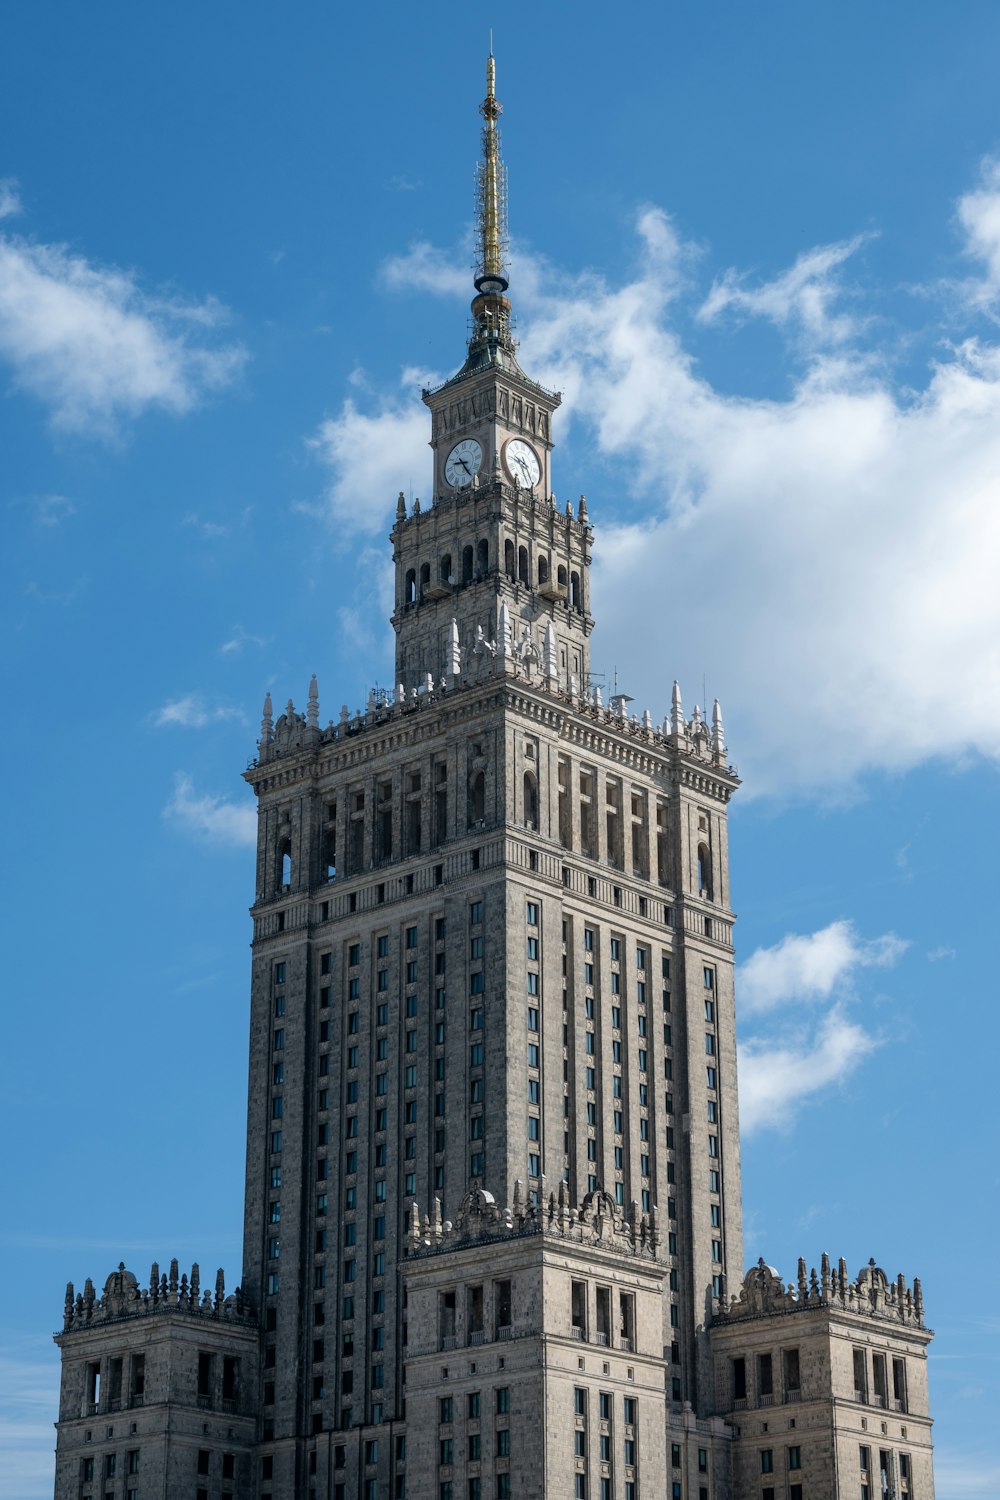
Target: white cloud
x: 10, y: 198
x: 191, y: 712
x: 937, y: 954
x: 425, y: 268
x: 213, y: 819
x: 979, y: 215
x: 779, y: 1073
x: 801, y: 296
x: 372, y: 456
x: 90, y: 344
x: 811, y: 966
x: 210, y: 530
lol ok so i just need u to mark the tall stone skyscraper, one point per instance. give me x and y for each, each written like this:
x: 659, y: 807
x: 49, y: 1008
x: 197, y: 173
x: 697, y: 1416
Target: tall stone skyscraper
x: 493, y: 1241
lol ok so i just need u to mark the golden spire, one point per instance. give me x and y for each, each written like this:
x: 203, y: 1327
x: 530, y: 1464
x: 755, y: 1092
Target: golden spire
x: 491, y: 184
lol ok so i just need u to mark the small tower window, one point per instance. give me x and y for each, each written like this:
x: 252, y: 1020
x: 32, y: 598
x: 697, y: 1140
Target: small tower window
x: 530, y: 800
x: 425, y: 576
x: 285, y: 863
x: 561, y: 576
x: 508, y: 559
x: 410, y: 591
x: 704, y: 871
x: 483, y: 557
x: 477, y: 798
x: 543, y: 570
x: 446, y: 569
x: 574, y: 590
x: 522, y: 565
x: 467, y: 564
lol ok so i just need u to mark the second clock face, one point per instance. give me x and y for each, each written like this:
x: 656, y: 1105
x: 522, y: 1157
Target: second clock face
x: 522, y: 463
x: 462, y: 464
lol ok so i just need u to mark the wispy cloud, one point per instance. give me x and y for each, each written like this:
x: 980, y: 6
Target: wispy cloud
x: 426, y: 268
x: 191, y: 712
x: 10, y: 198
x: 48, y: 511
x: 210, y: 530
x: 966, y: 1476
x: 29, y: 1401
x: 802, y: 297
x: 211, y: 819
x: 779, y: 1073
x: 238, y: 638
x: 937, y: 955
x: 806, y: 967
x: 96, y: 348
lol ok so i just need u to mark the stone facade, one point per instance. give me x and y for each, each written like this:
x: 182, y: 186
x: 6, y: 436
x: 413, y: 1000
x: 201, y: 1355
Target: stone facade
x: 492, y: 965
x: 824, y: 1384
x: 159, y: 1392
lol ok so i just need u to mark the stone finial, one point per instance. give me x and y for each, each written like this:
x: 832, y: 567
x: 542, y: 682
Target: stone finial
x: 718, y: 731
x: 569, y: 509
x: 695, y: 720
x: 550, y: 658
x: 647, y: 721
x: 267, y: 721
x: 598, y: 700
x: 414, y: 1222
x: 429, y: 682
x: 803, y: 1279
x: 195, y: 1283
x: 583, y: 508
x: 676, y: 710
x: 504, y: 641
x: 401, y: 507
x: 416, y: 506
x: 824, y: 1274
x: 154, y: 1281
x: 454, y: 662
x: 918, y: 1299
x: 400, y: 693
x: 436, y: 1218
x: 518, y: 1199
x: 220, y: 1290
x: 312, y: 711
x: 173, y: 1275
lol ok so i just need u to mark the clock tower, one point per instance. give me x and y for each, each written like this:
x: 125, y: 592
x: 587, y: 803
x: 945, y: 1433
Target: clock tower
x: 493, y: 561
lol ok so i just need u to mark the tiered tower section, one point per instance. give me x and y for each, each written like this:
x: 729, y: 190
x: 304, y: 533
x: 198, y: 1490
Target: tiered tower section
x: 159, y: 1389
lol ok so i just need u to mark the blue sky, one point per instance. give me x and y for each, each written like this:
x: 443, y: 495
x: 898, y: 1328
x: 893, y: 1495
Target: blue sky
x: 758, y: 249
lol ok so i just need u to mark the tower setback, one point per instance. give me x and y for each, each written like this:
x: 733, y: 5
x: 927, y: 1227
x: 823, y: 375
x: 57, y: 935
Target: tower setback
x: 493, y: 1222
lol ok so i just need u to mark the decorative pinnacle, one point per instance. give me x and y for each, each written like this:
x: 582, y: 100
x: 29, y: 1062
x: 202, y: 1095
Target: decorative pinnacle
x: 491, y: 194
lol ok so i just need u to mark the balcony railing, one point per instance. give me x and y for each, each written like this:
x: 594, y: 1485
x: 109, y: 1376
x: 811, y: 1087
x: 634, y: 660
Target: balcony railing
x: 795, y: 1395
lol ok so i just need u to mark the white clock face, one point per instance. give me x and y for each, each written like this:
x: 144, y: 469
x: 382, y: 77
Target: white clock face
x: 522, y: 463
x: 462, y: 463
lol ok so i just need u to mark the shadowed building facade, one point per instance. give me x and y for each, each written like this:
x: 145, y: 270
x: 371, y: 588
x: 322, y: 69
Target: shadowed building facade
x: 493, y: 1211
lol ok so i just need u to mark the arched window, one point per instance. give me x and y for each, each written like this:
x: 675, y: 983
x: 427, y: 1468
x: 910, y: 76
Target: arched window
x: 467, y: 564
x: 561, y: 576
x: 543, y: 570
x: 446, y: 568
x: 508, y: 558
x: 477, y: 798
x: 425, y: 576
x: 410, y: 591
x: 530, y: 800
x: 704, y: 871
x: 483, y: 557
x: 522, y: 565
x: 574, y: 590
x: 285, y: 863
